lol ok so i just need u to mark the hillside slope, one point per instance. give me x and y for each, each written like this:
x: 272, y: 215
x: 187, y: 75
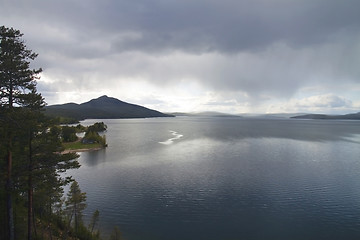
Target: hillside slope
x: 103, y: 107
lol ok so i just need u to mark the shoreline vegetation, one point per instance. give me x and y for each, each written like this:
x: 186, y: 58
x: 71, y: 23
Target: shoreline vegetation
x: 92, y: 141
x: 74, y: 148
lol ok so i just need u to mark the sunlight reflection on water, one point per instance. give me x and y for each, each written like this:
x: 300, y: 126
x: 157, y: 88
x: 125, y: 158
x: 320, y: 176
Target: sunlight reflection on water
x: 171, y: 140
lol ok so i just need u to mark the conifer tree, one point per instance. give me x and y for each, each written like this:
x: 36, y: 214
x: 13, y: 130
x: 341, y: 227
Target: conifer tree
x: 75, y: 204
x: 94, y: 220
x: 45, y: 163
x: 116, y: 234
x: 32, y: 153
x: 17, y: 89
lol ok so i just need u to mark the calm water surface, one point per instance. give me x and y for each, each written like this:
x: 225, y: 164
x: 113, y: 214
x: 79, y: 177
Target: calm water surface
x: 225, y: 179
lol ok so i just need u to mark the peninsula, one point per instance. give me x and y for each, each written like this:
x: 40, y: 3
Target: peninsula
x: 91, y: 141
x: 352, y: 116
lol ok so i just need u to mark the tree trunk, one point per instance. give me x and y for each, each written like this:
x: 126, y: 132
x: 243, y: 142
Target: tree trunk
x: 30, y: 208
x: 30, y: 191
x: 76, y: 218
x: 50, y: 231
x: 34, y: 222
x: 9, y: 184
x: 9, y: 207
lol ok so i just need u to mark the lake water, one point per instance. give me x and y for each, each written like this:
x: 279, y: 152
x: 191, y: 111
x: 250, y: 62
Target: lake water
x: 225, y: 179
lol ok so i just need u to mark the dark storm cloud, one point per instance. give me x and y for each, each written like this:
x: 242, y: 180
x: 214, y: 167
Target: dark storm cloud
x: 259, y: 48
x: 197, y: 26
x: 231, y: 26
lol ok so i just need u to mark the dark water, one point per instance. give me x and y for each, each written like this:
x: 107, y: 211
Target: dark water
x: 226, y: 179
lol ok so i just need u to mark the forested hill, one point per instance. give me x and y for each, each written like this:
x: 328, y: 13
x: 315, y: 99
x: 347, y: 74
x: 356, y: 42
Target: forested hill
x: 353, y: 116
x: 103, y: 107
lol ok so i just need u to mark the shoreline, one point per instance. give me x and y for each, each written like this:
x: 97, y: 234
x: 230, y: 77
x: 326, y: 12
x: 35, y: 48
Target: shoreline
x: 81, y: 150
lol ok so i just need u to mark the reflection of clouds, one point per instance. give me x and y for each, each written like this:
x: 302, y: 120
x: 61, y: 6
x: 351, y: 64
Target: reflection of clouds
x: 140, y: 143
x: 222, y: 172
x: 355, y: 138
x: 194, y: 150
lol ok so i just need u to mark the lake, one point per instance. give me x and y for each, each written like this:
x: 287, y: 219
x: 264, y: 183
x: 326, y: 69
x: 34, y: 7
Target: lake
x: 225, y: 178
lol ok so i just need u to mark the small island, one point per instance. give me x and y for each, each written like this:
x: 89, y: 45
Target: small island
x: 90, y: 141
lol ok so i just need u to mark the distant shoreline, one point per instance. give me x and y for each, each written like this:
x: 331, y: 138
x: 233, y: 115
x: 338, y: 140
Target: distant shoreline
x: 351, y: 116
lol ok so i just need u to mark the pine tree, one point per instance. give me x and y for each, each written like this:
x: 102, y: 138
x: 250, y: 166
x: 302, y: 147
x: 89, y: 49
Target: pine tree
x: 116, y: 234
x: 17, y: 89
x: 45, y: 165
x: 32, y: 152
x: 94, y: 220
x: 75, y: 204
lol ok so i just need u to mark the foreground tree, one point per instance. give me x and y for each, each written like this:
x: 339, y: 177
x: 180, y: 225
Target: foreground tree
x: 17, y: 89
x: 94, y: 220
x: 116, y: 234
x: 45, y: 165
x: 75, y: 204
x: 29, y: 144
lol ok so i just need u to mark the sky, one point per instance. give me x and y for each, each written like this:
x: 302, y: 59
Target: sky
x: 232, y: 56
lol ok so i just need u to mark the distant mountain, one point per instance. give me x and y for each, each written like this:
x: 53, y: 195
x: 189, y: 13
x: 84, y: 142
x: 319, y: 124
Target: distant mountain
x: 204, y: 114
x: 103, y: 107
x: 352, y: 116
x: 271, y: 115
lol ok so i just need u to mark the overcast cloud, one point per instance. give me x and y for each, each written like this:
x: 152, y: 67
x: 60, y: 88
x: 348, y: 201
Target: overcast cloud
x: 195, y: 55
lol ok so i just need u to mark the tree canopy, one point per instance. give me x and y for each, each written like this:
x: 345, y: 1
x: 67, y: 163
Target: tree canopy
x: 30, y: 147
x: 18, y: 80
x: 32, y: 156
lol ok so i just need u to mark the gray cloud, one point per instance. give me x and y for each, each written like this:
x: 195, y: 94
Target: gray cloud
x: 229, y: 26
x: 263, y: 49
x: 329, y: 100
x: 195, y: 26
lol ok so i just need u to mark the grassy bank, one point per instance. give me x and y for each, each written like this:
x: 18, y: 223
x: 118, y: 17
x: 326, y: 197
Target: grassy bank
x: 81, y: 146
